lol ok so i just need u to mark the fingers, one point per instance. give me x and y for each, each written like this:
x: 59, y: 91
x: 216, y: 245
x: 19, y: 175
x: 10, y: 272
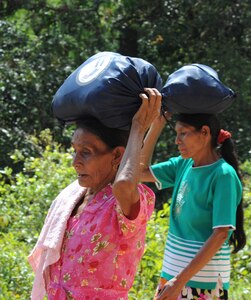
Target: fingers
x: 144, y: 98
x: 154, y: 97
x: 144, y: 105
x: 152, y: 91
x: 153, y: 101
x: 161, y: 294
x: 149, y: 109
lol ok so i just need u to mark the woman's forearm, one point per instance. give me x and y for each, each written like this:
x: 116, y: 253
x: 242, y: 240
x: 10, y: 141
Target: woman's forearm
x: 148, y: 150
x: 205, y: 254
x: 149, y: 144
x: 129, y: 167
x: 128, y: 175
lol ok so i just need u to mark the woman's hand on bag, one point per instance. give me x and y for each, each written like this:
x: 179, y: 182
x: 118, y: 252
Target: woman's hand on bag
x: 149, y: 109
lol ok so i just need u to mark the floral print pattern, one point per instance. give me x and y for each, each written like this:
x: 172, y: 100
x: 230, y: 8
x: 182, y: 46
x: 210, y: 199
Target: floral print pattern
x: 189, y: 293
x: 101, y: 250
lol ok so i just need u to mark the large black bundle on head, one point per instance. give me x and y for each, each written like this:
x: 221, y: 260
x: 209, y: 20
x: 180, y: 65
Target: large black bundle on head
x: 107, y: 87
x: 196, y: 88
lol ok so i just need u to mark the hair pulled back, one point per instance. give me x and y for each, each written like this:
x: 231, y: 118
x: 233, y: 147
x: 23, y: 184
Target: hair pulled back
x: 228, y: 153
x: 112, y: 137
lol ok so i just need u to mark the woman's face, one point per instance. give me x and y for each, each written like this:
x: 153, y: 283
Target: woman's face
x: 191, y: 143
x: 93, y: 160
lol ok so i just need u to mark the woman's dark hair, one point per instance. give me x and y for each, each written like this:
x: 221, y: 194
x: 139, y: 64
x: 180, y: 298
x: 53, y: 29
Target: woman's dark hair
x: 112, y: 137
x: 228, y: 153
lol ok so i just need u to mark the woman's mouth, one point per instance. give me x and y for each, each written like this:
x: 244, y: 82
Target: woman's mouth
x: 181, y: 150
x: 81, y: 175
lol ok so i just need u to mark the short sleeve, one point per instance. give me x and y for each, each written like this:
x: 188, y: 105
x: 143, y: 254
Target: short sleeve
x: 165, y: 172
x: 147, y: 201
x: 227, y: 196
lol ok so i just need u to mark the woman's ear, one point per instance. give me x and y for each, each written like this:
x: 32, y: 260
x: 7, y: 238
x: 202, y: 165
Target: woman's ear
x: 118, y: 153
x: 205, y: 130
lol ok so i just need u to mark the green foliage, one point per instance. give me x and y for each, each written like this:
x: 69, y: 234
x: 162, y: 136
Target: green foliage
x: 24, y: 200
x: 15, y: 274
x: 43, y: 41
x: 26, y: 196
x: 148, y: 273
x: 241, y: 262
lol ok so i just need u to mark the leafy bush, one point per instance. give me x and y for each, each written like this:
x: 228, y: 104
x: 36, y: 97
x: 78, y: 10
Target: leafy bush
x: 241, y: 262
x: 15, y: 273
x: 24, y: 201
x: 148, y: 273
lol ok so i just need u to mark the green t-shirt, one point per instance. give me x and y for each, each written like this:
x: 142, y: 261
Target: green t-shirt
x: 203, y: 198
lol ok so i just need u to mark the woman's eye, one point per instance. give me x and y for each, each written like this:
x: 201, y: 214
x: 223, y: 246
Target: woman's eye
x: 84, y: 153
x: 81, y: 153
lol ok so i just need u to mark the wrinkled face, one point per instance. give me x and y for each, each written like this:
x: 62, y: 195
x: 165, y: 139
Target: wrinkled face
x: 191, y: 143
x: 92, y: 159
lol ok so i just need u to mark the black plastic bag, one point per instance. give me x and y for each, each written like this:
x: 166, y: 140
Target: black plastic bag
x: 196, y: 88
x: 107, y: 87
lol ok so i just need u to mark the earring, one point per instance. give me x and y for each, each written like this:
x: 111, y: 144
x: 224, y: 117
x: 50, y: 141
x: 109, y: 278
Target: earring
x: 115, y: 167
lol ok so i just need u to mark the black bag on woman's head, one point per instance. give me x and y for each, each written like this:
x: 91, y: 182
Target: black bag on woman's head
x: 107, y: 87
x: 196, y: 88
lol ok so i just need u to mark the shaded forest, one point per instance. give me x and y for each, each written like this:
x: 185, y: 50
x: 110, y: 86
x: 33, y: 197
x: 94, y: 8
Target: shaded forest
x: 43, y: 42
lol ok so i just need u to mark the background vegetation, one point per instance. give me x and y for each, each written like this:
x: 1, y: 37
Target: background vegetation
x: 42, y: 42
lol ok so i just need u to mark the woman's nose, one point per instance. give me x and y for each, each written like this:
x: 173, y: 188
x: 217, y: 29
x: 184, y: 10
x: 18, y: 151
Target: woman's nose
x: 75, y: 160
x: 177, y: 140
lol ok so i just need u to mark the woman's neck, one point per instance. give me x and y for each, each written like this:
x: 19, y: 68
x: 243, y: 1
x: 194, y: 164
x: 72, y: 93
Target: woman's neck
x: 91, y: 191
x: 207, y: 159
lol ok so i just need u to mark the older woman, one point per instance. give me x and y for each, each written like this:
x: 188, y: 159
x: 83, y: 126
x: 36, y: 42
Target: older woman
x: 93, y: 236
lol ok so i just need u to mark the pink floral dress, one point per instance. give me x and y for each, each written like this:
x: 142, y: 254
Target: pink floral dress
x: 101, y: 250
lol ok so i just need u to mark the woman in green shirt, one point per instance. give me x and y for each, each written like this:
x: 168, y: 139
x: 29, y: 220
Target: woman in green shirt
x: 206, y: 214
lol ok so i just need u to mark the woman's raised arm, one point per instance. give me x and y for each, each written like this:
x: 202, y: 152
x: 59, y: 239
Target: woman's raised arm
x: 128, y: 175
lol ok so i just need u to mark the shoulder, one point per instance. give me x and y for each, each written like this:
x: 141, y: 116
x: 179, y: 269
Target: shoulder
x: 224, y: 172
x: 147, y: 200
x: 71, y: 189
x: 131, y: 227
x: 145, y: 190
x: 222, y: 168
x: 176, y: 162
x: 68, y: 194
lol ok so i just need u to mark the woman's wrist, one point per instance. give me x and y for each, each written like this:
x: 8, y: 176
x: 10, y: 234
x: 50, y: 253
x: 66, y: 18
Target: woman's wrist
x: 138, y: 129
x: 180, y: 281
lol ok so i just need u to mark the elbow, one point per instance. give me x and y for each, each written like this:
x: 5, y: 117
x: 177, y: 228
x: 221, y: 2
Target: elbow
x: 122, y: 188
x: 127, y: 195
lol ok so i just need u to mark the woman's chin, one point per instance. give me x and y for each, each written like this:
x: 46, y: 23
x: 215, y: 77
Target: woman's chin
x: 82, y: 181
x: 184, y: 155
